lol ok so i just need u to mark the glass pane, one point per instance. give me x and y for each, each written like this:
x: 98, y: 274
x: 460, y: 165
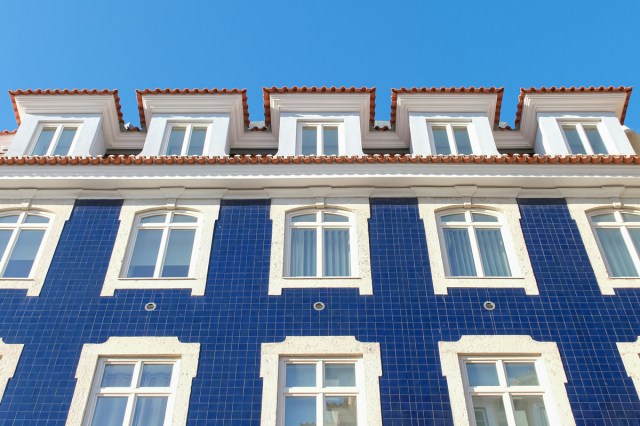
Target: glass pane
x: 154, y: 219
x: 456, y: 217
x: 616, y: 253
x: 336, y: 253
x: 9, y: 219
x: 629, y: 217
x: 303, y: 253
x: 300, y: 375
x: 23, y: 254
x: 492, y: 253
x: 5, y: 236
x: 117, y: 376
x: 635, y: 238
x: 609, y: 217
x: 330, y: 217
x: 150, y: 411
x: 479, y: 217
x: 156, y: 375
x: 183, y: 218
x: 309, y: 141
x: 336, y: 375
x: 482, y: 374
x: 340, y: 411
x: 176, y: 139
x: 530, y: 411
x: 196, y: 145
x: 304, y: 218
x: 521, y: 374
x: 595, y: 139
x: 441, y: 140
x: 64, y: 142
x: 574, y: 142
x: 33, y: 218
x: 44, y: 141
x: 463, y: 143
x: 145, y: 253
x: 492, y: 409
x: 109, y: 411
x: 459, y: 253
x: 299, y: 411
x: 330, y: 140
x: 178, y: 255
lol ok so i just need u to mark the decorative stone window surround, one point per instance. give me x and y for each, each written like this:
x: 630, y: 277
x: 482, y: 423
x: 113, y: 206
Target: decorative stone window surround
x: 361, y: 266
x: 141, y: 348
x: 9, y: 357
x: 507, y: 209
x: 630, y: 354
x: 320, y: 347
x: 553, y: 377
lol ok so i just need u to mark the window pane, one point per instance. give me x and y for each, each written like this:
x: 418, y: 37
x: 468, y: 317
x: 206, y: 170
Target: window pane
x: 150, y: 411
x: 176, y: 139
x: 299, y: 411
x: 492, y: 408
x: 33, y: 218
x: 309, y: 141
x: 330, y: 140
x: 635, y: 238
x: 44, y: 141
x: 304, y: 218
x: 196, y: 145
x: 145, y: 253
x: 340, y: 411
x: 629, y: 217
x: 456, y: 217
x: 616, y: 253
x: 117, y: 376
x: 9, y: 219
x: 109, y: 411
x: 441, y: 140
x: 156, y: 375
x: 336, y: 375
x: 64, y: 142
x: 183, y: 218
x: 459, y: 254
x: 479, y: 217
x: 303, y: 253
x: 595, y: 139
x: 521, y: 374
x: 482, y: 374
x: 463, y: 143
x: 609, y: 217
x: 5, y: 235
x: 530, y: 411
x: 492, y: 252
x: 330, y: 217
x: 300, y: 375
x: 178, y: 255
x: 154, y: 219
x: 336, y: 253
x: 573, y: 140
x: 23, y: 254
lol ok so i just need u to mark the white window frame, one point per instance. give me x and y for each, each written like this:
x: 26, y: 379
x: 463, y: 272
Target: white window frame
x: 56, y: 137
x: 583, y: 136
x: 132, y: 209
x: 630, y: 354
x: 450, y: 124
x: 9, y: 357
x: 58, y: 212
x: 508, y: 214
x: 359, y: 211
x: 581, y: 210
x: 15, y: 230
x: 549, y: 367
x: 319, y: 125
x: 328, y: 348
x: 134, y: 348
x: 624, y: 228
x: 188, y: 125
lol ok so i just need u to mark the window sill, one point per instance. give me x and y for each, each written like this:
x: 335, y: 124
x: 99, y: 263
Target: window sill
x: 526, y: 283
x: 364, y: 285
x: 196, y: 285
x: 30, y: 284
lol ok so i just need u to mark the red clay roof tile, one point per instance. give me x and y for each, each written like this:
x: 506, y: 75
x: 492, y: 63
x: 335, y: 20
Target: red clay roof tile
x: 8, y: 132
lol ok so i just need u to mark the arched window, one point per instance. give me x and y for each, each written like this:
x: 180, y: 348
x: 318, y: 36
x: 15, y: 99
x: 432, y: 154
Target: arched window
x: 473, y: 244
x: 162, y: 245
x: 319, y: 244
x: 618, y: 235
x: 21, y: 237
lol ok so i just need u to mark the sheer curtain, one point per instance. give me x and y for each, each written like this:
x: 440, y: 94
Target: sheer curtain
x: 492, y: 252
x: 459, y: 252
x: 616, y: 252
x: 336, y: 253
x: 303, y: 253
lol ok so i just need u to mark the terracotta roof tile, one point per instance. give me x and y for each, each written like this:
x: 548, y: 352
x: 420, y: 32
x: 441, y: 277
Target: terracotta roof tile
x: 28, y: 92
x: 572, y: 89
x: 267, y: 91
x: 8, y: 132
x: 481, y: 90
x: 243, y: 92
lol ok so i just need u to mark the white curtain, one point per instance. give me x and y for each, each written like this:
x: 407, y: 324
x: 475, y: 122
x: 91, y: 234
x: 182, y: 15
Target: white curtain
x: 303, y: 253
x: 494, y: 257
x: 459, y: 252
x: 616, y: 252
x: 336, y: 253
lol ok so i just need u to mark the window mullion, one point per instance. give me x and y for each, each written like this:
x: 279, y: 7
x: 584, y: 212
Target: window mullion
x: 187, y: 139
x: 319, y: 140
x: 475, y: 250
x: 54, y: 140
x: 162, y: 251
x: 452, y: 139
x: 319, y: 251
x: 128, y: 412
x: 508, y: 408
x: 584, y: 138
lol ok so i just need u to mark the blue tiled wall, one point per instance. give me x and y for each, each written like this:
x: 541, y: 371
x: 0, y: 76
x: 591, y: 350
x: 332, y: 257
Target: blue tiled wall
x: 236, y: 316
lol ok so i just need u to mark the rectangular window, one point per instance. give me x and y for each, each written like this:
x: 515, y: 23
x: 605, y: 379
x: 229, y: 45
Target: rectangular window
x: 451, y: 139
x: 55, y: 140
x: 186, y: 139
x: 583, y: 138
x: 319, y: 139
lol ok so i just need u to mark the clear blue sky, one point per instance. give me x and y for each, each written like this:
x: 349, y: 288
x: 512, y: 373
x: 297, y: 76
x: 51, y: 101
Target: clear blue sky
x: 135, y: 44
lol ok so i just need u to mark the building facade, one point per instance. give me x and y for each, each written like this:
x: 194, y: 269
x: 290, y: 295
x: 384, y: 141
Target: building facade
x: 320, y: 267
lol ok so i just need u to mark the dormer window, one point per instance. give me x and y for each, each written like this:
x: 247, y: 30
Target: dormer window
x: 583, y: 138
x: 450, y: 139
x: 187, y: 139
x: 55, y: 140
x: 318, y: 139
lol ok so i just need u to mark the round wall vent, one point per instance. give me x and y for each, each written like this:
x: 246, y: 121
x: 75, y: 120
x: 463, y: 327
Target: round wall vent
x: 318, y: 306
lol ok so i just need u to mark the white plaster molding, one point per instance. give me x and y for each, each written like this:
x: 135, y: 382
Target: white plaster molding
x: 630, y: 354
x: 553, y: 379
x: 136, y: 347
x: 9, y: 357
x: 206, y: 210
x: 320, y: 346
x: 515, y: 245
x: 361, y: 265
